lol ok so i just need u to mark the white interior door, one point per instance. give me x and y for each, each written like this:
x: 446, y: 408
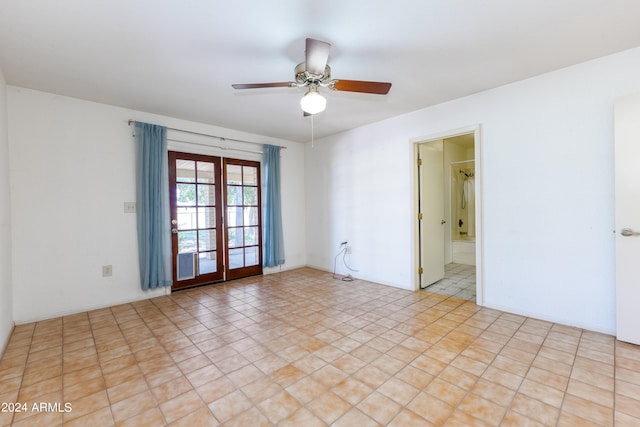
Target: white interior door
x: 432, y: 225
x: 627, y: 217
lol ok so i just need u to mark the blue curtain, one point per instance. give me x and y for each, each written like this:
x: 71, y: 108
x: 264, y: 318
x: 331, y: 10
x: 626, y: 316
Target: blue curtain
x: 272, y: 225
x: 154, y: 244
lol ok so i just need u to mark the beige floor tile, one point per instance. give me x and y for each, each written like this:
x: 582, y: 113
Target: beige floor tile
x: 193, y: 363
x: 260, y: 389
x: 408, y: 418
x: 514, y: 419
x: 101, y: 417
x: 132, y: 406
x: 379, y: 407
x: 279, y: 406
x: 462, y: 419
x: 150, y: 417
x: 48, y: 419
x: 329, y: 407
x: 445, y: 391
x: 551, y: 379
x: 287, y: 375
x: 307, y: 389
x: 627, y: 389
x: 171, y: 389
x: 414, y: 376
x: 354, y: 417
x: 628, y: 375
x: 372, y: 376
x: 591, y: 393
x: 182, y: 405
x: 200, y: 418
x: 309, y: 363
x: 230, y: 405
x: 430, y: 408
x: 541, y: 392
x: 535, y: 409
x: 428, y: 364
x: 329, y: 376
x: 298, y: 348
x: 302, y: 417
x: 469, y: 364
x: 628, y: 406
x: 127, y: 389
x: 240, y: 377
x: 398, y: 391
x: 624, y: 420
x: 33, y: 391
x: 251, y: 417
x: 483, y: 409
x: 87, y: 404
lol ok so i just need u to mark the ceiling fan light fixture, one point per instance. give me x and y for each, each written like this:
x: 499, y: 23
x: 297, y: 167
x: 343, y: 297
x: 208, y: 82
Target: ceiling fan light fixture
x: 313, y: 102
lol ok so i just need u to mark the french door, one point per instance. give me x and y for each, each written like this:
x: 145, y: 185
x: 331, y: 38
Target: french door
x: 215, y: 219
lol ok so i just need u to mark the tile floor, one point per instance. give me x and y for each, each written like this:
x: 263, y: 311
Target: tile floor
x: 299, y: 348
x: 459, y: 281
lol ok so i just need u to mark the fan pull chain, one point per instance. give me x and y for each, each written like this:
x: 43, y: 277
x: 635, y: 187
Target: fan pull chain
x: 312, y: 131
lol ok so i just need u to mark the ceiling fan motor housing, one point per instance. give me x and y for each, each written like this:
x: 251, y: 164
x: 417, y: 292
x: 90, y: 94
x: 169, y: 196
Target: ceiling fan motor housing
x: 304, y: 78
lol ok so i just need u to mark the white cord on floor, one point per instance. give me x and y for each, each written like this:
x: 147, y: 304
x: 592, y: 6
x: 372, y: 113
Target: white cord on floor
x: 343, y: 251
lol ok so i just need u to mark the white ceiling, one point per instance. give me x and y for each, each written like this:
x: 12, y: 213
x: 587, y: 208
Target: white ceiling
x: 179, y: 58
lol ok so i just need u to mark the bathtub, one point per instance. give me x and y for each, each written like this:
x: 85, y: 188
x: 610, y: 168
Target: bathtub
x: 464, y: 251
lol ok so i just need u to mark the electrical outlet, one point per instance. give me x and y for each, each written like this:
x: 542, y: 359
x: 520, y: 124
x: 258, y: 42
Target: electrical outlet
x: 348, y: 249
x: 107, y: 271
x: 129, y: 207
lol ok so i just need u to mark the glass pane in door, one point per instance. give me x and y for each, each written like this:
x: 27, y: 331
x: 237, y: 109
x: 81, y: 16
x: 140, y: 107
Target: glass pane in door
x: 195, y: 219
x: 207, y: 263
x: 206, y: 173
x: 242, y: 194
x: 185, y: 170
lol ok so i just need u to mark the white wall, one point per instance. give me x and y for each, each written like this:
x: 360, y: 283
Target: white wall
x: 547, y: 153
x: 72, y: 168
x: 6, y: 306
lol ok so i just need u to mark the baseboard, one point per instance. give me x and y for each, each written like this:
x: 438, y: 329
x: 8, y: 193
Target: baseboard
x: 165, y: 290
x: 552, y: 319
x: 275, y: 270
x: 360, y: 277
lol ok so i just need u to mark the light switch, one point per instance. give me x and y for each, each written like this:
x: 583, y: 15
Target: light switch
x: 107, y: 271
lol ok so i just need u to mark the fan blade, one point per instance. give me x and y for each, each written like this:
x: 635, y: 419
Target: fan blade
x: 262, y: 85
x: 378, y: 88
x: 316, y: 56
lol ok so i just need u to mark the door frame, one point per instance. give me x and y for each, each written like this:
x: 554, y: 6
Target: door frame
x: 477, y: 144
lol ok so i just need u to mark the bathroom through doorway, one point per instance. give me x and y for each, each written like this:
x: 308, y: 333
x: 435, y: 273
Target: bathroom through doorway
x: 448, y: 223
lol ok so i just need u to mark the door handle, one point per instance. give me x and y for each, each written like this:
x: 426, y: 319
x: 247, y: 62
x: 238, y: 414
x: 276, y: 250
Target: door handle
x: 174, y: 230
x: 627, y: 232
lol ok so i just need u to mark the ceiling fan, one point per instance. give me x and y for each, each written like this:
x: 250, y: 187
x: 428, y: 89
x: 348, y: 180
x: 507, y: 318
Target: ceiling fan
x: 314, y: 72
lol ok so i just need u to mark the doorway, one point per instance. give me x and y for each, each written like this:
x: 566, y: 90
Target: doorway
x: 215, y: 219
x: 448, y: 227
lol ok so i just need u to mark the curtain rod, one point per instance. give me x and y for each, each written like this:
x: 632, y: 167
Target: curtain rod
x: 212, y: 136
x: 215, y: 146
